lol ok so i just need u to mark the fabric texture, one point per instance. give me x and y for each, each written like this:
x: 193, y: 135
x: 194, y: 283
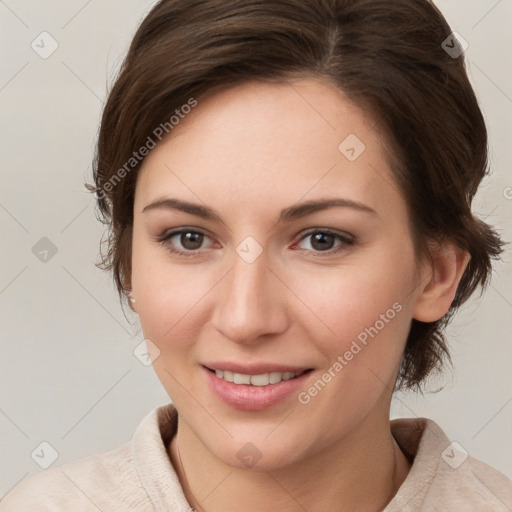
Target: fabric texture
x: 138, y: 476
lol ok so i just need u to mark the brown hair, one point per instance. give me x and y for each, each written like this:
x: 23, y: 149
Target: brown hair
x: 386, y: 55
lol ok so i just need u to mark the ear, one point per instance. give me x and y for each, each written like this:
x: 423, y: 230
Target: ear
x: 440, y: 279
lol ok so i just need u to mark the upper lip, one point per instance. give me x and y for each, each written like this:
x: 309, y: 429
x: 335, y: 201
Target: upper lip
x: 254, y: 369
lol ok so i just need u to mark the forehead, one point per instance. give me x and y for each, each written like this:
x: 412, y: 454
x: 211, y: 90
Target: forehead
x: 266, y: 142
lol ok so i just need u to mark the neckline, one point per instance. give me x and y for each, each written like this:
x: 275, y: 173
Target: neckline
x: 420, y: 439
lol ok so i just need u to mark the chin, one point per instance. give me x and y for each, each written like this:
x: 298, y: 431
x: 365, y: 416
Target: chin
x: 250, y: 457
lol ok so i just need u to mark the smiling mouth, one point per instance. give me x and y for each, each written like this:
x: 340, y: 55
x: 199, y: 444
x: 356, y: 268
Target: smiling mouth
x: 263, y: 379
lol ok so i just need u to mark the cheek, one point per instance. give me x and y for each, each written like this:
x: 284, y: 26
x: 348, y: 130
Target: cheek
x: 168, y: 302
x: 169, y: 296
x: 366, y: 310
x: 348, y: 299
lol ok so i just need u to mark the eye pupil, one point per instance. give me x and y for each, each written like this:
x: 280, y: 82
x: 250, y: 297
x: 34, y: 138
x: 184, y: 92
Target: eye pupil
x: 191, y: 240
x: 322, y: 241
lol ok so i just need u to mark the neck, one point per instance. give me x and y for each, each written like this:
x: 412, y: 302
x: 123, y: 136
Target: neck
x: 361, y: 472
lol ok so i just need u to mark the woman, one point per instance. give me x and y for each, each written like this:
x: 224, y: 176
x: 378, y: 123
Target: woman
x: 288, y: 189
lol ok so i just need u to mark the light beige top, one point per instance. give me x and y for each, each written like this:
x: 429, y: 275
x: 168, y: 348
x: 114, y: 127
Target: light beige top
x: 138, y: 476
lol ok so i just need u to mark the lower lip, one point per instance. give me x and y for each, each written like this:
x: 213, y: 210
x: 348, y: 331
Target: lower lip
x: 254, y: 398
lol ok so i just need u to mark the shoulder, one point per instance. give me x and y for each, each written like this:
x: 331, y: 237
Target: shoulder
x: 473, y: 485
x: 88, y: 484
x: 134, y: 476
x: 444, y: 476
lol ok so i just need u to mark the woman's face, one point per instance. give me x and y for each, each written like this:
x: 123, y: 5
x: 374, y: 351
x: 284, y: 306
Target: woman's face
x: 270, y: 237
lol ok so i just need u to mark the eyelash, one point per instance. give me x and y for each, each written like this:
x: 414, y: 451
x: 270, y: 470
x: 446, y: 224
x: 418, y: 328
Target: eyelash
x: 346, y: 240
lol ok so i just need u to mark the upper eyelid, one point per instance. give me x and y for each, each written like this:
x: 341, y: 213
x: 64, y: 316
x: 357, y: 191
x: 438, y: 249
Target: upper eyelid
x: 168, y: 233
x: 176, y: 231
x: 341, y: 234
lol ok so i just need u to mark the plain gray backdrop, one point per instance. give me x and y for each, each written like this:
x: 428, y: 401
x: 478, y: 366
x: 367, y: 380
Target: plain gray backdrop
x: 69, y: 377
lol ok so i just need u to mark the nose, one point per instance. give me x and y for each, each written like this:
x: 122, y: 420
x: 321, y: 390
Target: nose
x: 251, y: 302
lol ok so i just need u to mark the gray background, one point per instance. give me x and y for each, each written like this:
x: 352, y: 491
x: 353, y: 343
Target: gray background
x: 68, y: 373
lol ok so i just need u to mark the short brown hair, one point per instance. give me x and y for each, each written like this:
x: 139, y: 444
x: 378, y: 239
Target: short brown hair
x: 387, y: 56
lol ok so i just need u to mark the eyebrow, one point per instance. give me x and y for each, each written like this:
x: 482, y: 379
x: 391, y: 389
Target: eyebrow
x: 293, y: 212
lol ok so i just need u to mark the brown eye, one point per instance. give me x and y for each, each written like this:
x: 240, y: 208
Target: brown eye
x: 185, y: 242
x: 322, y: 241
x: 191, y: 240
x: 325, y: 241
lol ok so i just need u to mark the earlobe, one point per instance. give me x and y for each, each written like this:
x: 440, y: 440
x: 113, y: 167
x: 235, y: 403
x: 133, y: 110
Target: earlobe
x: 131, y: 302
x: 440, y: 280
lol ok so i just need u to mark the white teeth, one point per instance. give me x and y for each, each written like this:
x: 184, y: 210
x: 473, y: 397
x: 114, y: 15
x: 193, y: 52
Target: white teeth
x: 260, y: 380
x: 229, y: 376
x: 275, y: 377
x: 263, y: 379
x: 240, y: 378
